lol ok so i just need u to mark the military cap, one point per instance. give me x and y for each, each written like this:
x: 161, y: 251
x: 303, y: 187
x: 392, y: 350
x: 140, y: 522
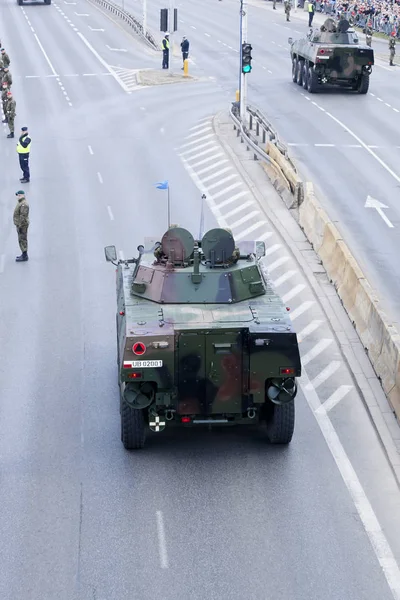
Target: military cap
x: 24, y: 129
x: 20, y: 193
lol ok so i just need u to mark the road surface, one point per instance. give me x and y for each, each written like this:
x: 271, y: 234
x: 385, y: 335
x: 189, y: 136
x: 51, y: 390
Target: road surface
x: 204, y: 514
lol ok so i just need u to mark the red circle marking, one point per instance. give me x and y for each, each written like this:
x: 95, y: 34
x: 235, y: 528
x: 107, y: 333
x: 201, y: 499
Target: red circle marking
x: 139, y: 348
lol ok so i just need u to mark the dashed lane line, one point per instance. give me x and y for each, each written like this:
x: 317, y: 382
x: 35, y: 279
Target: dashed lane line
x: 90, y: 150
x: 110, y: 213
x: 162, y: 545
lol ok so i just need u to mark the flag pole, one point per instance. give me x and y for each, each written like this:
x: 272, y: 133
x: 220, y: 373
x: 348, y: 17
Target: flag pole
x: 169, y: 210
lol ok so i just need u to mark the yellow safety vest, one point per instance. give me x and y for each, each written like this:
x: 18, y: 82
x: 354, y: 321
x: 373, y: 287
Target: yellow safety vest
x: 22, y: 150
x: 310, y: 7
x: 166, y: 43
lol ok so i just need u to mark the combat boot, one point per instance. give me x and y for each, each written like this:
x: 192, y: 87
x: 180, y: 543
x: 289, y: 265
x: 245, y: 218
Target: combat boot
x: 24, y: 256
x: 24, y: 180
x: 10, y: 135
x: 5, y: 120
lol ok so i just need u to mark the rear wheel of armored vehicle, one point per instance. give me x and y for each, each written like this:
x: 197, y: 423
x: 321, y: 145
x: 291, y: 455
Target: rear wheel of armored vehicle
x: 294, y: 70
x: 363, y: 84
x: 300, y: 72
x: 312, y: 81
x: 279, y: 419
x: 305, y: 76
x: 133, y: 431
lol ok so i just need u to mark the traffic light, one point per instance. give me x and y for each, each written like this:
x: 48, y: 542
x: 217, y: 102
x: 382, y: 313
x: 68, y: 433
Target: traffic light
x: 246, y: 57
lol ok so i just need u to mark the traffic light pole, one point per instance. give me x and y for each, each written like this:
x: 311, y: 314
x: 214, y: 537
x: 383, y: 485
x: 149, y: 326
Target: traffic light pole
x: 243, y: 78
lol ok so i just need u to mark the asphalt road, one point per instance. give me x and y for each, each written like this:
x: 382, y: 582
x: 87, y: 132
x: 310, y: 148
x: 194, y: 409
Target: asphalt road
x: 202, y: 515
x: 347, y: 145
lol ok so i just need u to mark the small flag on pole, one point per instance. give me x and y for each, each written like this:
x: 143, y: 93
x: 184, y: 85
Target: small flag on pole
x: 162, y: 185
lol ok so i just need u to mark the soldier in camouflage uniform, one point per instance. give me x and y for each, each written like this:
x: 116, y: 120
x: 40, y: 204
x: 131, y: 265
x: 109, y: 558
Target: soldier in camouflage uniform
x: 368, y: 34
x: 5, y: 59
x: 6, y: 77
x: 4, y: 90
x: 288, y: 6
x: 274, y: 4
x: 21, y: 222
x: 10, y: 113
x: 392, y: 48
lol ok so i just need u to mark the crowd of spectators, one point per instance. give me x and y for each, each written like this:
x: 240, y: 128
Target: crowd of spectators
x: 384, y: 15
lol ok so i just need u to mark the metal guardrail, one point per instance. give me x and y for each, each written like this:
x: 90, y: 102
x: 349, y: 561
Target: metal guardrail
x: 263, y: 129
x: 130, y: 20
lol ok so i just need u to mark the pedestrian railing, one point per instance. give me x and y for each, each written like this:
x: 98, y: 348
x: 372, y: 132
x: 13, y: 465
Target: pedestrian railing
x: 130, y: 20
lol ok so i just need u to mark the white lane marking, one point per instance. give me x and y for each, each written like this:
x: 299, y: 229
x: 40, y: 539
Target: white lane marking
x: 295, y: 144
x: 31, y: 76
x: 325, y: 374
x: 316, y: 350
x: 81, y: 14
x: 222, y: 181
x: 249, y: 230
x: 293, y: 293
x: 228, y: 189
x: 388, y: 105
x: 279, y: 262
x: 162, y: 130
x: 162, y: 546
x: 232, y: 198
x: 264, y: 236
x: 192, y: 135
x: 244, y: 219
x: 116, y: 49
x: 378, y: 206
x: 239, y: 209
x: 193, y: 27
x: 364, y: 145
x: 368, y: 518
x: 205, y: 137
x: 352, y: 146
x: 272, y: 250
x: 102, y: 61
x: 206, y: 160
x: 110, y: 214
x: 311, y: 327
x: 284, y: 278
x: 197, y: 126
x: 90, y: 150
x: 216, y: 174
x: 92, y: 29
x: 211, y: 167
x: 335, y: 398
x: 396, y: 110
x: 380, y: 99
x: 212, y: 149
x: 203, y: 189
x: 324, y: 145
x: 207, y: 34
x: 270, y: 72
x: 2, y: 262
x: 100, y: 177
x: 45, y: 55
x: 65, y: 2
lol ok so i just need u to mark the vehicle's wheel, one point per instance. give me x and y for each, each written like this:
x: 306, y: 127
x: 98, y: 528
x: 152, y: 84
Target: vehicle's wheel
x: 300, y: 72
x: 305, y: 76
x: 312, y: 80
x: 133, y: 432
x: 294, y: 70
x: 20, y: 2
x: 280, y: 422
x: 363, y: 84
x: 47, y: 1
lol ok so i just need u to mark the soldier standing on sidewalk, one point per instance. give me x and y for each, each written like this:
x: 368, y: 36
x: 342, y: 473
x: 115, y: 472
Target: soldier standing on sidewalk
x: 288, y: 6
x: 392, y: 48
x: 21, y: 222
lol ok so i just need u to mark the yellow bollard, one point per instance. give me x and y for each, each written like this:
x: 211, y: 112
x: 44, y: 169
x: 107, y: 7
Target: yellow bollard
x: 185, y: 67
x: 237, y: 95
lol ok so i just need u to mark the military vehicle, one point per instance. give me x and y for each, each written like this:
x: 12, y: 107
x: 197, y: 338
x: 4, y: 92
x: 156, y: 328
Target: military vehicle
x: 203, y: 339
x: 332, y: 55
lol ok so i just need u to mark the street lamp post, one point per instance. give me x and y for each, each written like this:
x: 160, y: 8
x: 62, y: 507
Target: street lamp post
x: 144, y: 17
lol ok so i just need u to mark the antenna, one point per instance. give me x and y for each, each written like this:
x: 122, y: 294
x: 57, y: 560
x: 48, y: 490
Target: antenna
x: 202, y: 216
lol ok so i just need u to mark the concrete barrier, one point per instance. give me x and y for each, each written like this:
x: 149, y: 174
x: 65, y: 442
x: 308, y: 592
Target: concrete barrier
x: 379, y: 337
x: 291, y: 176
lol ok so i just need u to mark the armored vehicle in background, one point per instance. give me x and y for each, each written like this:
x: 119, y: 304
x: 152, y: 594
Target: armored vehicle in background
x: 203, y: 339
x: 332, y: 55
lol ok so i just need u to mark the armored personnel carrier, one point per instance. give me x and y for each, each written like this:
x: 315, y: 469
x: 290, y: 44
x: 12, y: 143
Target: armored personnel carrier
x: 203, y: 339
x: 332, y: 55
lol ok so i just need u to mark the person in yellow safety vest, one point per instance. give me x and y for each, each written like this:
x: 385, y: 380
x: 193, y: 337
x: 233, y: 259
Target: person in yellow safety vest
x: 23, y: 149
x: 311, y: 11
x: 165, y: 51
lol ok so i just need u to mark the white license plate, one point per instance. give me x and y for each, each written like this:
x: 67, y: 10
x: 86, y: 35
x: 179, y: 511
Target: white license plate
x: 146, y: 364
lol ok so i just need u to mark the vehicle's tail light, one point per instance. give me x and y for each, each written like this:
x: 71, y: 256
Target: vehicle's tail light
x: 287, y: 371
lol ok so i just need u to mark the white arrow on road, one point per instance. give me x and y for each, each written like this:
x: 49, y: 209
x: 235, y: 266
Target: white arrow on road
x: 116, y: 49
x: 372, y: 203
x: 91, y: 28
